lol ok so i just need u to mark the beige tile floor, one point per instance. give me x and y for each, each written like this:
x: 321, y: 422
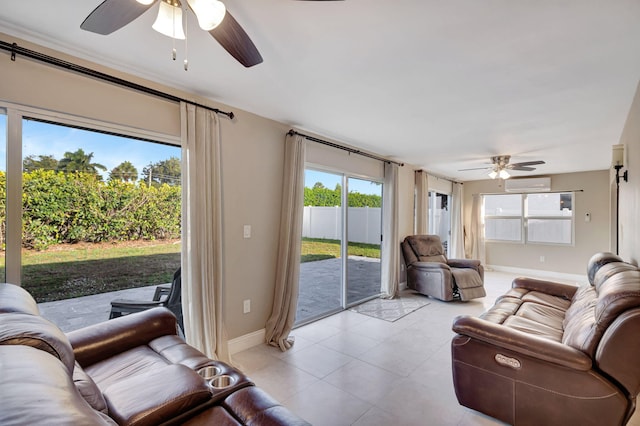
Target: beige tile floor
x: 351, y: 369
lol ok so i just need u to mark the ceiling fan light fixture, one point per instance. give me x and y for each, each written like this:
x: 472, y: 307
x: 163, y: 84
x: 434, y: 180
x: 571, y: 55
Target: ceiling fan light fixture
x: 145, y: 2
x: 169, y: 20
x: 210, y: 13
x: 493, y: 174
x: 504, y: 174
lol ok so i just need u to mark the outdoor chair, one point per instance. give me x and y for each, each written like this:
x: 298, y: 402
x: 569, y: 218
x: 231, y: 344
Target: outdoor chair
x: 173, y: 302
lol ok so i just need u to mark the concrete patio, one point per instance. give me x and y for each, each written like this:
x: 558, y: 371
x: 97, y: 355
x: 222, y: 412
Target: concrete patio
x: 319, y: 290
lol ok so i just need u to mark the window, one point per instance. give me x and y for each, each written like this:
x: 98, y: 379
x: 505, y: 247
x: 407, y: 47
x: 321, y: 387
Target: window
x: 91, y: 207
x: 503, y: 217
x: 529, y: 218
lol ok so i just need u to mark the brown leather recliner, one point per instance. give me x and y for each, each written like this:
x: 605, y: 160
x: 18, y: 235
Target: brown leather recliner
x: 133, y: 370
x: 555, y: 354
x: 430, y: 272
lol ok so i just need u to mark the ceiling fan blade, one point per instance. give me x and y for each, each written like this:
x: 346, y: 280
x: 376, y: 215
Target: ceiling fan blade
x: 521, y: 168
x: 111, y: 15
x: 528, y: 163
x: 236, y: 41
x: 475, y: 168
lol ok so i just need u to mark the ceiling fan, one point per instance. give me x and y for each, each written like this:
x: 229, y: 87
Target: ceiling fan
x: 500, y: 165
x: 111, y: 15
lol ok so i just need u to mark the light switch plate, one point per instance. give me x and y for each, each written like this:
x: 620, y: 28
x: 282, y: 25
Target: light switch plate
x: 247, y: 231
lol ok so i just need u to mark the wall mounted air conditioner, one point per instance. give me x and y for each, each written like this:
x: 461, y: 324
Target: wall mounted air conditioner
x: 541, y: 184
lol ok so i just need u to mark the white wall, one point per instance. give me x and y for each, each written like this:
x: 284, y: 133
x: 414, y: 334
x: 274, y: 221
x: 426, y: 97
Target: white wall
x: 630, y: 191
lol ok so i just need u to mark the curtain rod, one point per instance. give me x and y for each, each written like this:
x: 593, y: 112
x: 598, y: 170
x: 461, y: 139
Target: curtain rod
x: 529, y: 192
x: 342, y: 147
x: 439, y: 176
x: 15, y: 49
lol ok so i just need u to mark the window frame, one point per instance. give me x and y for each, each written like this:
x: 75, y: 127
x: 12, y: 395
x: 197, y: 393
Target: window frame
x: 525, y: 217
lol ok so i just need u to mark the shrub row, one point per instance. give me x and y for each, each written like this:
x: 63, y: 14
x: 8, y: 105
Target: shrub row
x: 78, y: 207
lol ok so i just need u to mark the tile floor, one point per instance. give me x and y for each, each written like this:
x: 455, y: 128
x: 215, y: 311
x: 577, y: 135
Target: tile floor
x: 351, y: 369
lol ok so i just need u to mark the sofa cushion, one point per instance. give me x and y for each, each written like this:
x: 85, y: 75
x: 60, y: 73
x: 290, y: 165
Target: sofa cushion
x: 37, y: 389
x: 88, y: 389
x: 14, y: 299
x: 37, y: 332
x: 122, y: 366
x: 542, y: 314
x: 155, y: 396
x: 545, y: 299
x: 533, y: 327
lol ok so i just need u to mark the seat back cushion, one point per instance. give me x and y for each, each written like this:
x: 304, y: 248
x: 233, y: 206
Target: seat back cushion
x: 615, y: 289
x: 37, y: 389
x: 14, y: 298
x: 37, y: 332
x: 427, y: 248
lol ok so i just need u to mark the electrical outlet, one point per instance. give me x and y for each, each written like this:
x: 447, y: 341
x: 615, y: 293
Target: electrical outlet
x: 542, y: 259
x: 247, y: 231
x: 246, y: 306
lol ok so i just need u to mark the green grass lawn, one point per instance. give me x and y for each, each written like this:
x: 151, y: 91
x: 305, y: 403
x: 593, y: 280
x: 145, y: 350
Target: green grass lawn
x: 73, y: 270
x: 319, y: 249
x: 70, y: 270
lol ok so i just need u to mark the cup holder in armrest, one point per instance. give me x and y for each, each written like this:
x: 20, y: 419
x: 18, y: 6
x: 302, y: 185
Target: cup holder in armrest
x: 222, y: 382
x: 209, y: 372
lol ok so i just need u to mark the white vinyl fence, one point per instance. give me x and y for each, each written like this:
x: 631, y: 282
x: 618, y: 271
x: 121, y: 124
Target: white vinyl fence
x: 365, y: 223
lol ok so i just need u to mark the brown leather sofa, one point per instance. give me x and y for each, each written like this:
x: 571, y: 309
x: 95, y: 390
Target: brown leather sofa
x: 133, y: 370
x: 429, y: 272
x: 555, y: 354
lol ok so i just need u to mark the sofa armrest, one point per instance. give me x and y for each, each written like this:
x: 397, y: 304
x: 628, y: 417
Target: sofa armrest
x: 157, y: 396
x: 106, y: 339
x: 435, y: 266
x: 523, y: 343
x: 463, y: 263
x: 550, y: 287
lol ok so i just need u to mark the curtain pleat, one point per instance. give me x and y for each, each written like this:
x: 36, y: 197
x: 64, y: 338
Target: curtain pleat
x: 457, y: 227
x: 477, y: 231
x: 390, y: 268
x: 422, y: 202
x: 285, y: 300
x: 202, y: 251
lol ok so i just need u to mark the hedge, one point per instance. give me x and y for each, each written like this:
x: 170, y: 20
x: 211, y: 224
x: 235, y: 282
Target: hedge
x: 78, y: 207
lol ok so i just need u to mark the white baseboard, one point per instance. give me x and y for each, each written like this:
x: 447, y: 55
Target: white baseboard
x: 538, y: 273
x: 247, y: 341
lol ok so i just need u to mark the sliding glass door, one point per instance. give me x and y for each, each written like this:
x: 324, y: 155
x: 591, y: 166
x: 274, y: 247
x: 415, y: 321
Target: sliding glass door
x: 335, y: 275
x: 364, y: 231
x: 440, y: 217
x: 321, y: 267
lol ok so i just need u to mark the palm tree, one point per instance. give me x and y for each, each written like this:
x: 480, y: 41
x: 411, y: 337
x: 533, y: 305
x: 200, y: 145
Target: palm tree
x: 124, y: 171
x: 40, y: 162
x: 79, y: 162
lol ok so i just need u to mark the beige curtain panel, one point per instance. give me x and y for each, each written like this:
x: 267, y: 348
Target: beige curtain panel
x: 285, y: 300
x: 390, y: 267
x: 202, y: 266
x: 476, y: 231
x: 422, y: 202
x: 457, y: 227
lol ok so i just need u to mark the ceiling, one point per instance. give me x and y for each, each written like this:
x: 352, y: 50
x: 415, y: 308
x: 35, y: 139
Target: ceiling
x: 443, y: 85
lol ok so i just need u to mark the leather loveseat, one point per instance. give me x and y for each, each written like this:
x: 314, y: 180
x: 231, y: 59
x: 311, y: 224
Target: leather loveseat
x: 555, y: 354
x: 133, y: 370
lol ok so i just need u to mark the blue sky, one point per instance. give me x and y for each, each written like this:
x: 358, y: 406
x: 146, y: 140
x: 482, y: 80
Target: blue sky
x: 49, y: 139
x: 329, y: 180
